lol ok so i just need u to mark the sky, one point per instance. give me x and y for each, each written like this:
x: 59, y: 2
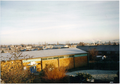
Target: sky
x: 34, y: 22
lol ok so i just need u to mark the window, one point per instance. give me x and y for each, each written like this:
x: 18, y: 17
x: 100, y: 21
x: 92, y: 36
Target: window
x: 31, y: 60
x: 71, y: 56
x: 66, y: 56
x: 61, y: 57
x: 49, y: 58
x: 44, y: 58
x: 55, y: 57
x: 80, y: 55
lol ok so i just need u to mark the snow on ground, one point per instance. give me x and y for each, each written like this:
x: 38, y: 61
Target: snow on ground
x: 97, y: 74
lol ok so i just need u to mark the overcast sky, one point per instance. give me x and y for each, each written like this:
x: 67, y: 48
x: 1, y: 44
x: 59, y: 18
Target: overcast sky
x: 58, y: 21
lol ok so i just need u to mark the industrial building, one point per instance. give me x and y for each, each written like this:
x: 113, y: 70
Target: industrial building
x: 66, y: 57
x: 111, y: 51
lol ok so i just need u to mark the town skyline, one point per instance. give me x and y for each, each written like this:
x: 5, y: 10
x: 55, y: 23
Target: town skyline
x: 68, y: 42
x: 31, y: 22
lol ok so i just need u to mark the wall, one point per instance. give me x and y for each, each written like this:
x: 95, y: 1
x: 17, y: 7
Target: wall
x: 80, y: 61
x: 38, y: 66
x: 66, y: 62
x: 52, y: 61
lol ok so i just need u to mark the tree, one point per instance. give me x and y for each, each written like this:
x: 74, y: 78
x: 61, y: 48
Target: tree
x: 2, y: 51
x: 57, y: 43
x: 109, y: 43
x: 12, y: 70
x: 81, y: 44
x: 114, y: 43
x: 93, y: 52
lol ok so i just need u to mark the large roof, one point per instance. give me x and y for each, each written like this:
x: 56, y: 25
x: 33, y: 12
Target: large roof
x: 47, y: 53
x: 100, y: 47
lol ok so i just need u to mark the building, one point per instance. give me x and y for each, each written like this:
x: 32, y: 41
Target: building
x: 66, y: 57
x: 111, y: 51
x: 60, y: 46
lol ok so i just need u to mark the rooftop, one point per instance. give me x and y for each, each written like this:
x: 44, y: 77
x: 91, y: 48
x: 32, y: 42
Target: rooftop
x: 100, y: 47
x: 46, y: 53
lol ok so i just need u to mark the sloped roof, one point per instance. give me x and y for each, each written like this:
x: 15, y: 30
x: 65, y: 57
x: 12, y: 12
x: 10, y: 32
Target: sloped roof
x: 48, y: 53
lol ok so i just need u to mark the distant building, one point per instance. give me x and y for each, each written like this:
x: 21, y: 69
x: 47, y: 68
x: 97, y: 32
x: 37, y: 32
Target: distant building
x: 60, y: 46
x: 108, y: 50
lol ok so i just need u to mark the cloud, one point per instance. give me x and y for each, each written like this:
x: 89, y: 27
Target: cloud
x: 59, y: 20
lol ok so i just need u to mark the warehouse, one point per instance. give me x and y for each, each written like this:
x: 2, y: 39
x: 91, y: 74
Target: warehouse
x: 66, y: 57
x: 111, y: 51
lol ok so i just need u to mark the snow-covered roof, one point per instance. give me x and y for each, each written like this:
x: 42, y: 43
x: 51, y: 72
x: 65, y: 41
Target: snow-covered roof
x: 47, y: 53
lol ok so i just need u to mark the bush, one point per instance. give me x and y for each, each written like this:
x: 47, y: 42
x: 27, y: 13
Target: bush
x: 81, y: 78
x: 84, y: 76
x: 93, y: 52
x: 12, y: 71
x: 52, y: 73
x: 15, y: 74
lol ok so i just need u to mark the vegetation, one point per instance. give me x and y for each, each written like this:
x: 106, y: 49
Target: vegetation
x: 81, y: 78
x: 81, y: 44
x: 85, y: 76
x: 2, y: 51
x: 93, y: 52
x: 16, y: 75
x: 12, y: 71
x: 52, y: 73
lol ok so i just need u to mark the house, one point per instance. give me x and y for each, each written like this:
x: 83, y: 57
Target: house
x: 28, y: 47
x: 49, y: 46
x: 66, y: 57
x: 60, y: 46
x: 72, y: 46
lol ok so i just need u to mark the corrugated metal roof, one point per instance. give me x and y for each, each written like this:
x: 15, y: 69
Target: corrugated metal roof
x: 48, y: 53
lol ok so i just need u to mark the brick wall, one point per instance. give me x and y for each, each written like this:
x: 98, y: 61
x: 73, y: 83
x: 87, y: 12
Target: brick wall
x: 52, y: 61
x: 66, y: 62
x: 81, y: 61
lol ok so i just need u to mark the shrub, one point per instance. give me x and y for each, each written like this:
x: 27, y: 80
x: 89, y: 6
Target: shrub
x: 53, y: 74
x: 12, y: 71
x: 16, y: 75
x: 84, y: 76
x: 93, y: 52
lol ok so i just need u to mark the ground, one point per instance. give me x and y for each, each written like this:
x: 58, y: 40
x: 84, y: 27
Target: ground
x: 104, y: 75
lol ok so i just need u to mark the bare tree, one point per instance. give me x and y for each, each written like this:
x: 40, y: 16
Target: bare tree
x: 2, y: 51
x: 12, y: 71
x: 15, y: 55
x: 81, y: 44
x: 57, y: 43
x: 93, y: 52
x: 109, y: 43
